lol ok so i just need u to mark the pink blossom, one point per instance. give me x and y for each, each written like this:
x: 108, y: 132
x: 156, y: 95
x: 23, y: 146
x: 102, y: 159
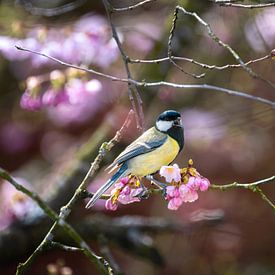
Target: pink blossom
x: 123, y: 193
x: 173, y: 195
x: 110, y: 205
x: 187, y: 193
x: 198, y: 183
x: 170, y: 173
x: 14, y: 204
x: 205, y: 183
x: 128, y: 195
x: 30, y: 102
x: 174, y: 203
x: 54, y: 97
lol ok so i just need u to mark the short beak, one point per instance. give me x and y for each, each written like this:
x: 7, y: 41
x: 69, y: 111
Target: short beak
x: 177, y: 122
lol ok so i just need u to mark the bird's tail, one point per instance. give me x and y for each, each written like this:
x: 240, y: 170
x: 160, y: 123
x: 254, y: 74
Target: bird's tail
x: 118, y: 175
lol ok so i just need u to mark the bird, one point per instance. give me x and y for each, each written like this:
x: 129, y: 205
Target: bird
x: 156, y: 147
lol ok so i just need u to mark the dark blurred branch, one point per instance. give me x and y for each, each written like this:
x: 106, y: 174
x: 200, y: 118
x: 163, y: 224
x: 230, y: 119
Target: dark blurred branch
x: 100, y: 262
x: 66, y: 210
x: 132, y: 88
x: 28, y: 6
x: 146, y: 83
x: 107, y: 254
x: 253, y: 186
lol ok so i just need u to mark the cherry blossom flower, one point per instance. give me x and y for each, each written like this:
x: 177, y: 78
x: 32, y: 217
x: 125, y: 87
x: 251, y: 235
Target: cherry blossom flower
x: 170, y: 173
x: 185, y: 184
x: 124, y: 192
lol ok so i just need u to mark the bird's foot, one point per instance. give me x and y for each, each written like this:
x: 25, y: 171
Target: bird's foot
x: 160, y: 185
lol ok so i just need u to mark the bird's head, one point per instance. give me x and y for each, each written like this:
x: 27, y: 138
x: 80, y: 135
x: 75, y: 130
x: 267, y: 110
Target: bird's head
x: 167, y: 120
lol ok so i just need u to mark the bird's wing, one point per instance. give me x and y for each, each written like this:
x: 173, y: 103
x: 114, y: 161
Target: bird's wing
x: 147, y: 142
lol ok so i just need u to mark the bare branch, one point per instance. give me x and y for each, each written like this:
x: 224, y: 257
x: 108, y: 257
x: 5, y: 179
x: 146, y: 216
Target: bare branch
x: 203, y: 65
x: 100, y: 262
x: 172, y: 31
x: 237, y: 5
x: 129, y: 8
x: 216, y: 39
x: 253, y: 186
x: 133, y: 89
x: 156, y: 84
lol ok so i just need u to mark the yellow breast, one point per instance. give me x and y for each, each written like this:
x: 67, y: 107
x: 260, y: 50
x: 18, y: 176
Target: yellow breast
x: 151, y: 162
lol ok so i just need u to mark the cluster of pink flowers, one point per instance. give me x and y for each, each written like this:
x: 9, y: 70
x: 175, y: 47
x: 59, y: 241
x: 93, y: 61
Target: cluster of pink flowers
x: 185, y: 184
x: 125, y: 192
x: 87, y: 41
x: 69, y: 87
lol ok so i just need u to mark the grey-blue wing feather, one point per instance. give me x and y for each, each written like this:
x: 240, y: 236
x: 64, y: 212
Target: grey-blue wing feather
x: 147, y: 142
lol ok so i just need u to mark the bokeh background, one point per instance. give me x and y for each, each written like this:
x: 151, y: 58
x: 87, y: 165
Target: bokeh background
x: 48, y: 143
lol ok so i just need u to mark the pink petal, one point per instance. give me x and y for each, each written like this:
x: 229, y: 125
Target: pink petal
x: 170, y: 173
x: 190, y: 196
x: 124, y: 180
x: 126, y: 190
x: 170, y: 190
x: 205, y: 183
x: 174, y: 203
x: 109, y: 205
x: 126, y: 199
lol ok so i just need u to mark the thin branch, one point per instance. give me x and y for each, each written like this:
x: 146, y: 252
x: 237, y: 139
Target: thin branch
x: 237, y: 5
x: 129, y: 8
x: 65, y: 211
x: 216, y: 39
x: 203, y: 65
x: 100, y: 262
x: 133, y: 89
x: 253, y: 186
x: 156, y: 84
x: 64, y: 247
x: 172, y: 31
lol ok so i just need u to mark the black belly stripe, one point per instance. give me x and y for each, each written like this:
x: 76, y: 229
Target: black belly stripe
x: 177, y: 134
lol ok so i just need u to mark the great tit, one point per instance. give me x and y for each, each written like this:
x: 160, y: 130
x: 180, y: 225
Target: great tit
x: 156, y: 147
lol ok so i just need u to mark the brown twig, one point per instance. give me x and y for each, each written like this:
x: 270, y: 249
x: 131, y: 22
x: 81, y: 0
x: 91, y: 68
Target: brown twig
x: 216, y: 39
x: 156, y: 84
x: 133, y: 91
x: 237, y: 5
x: 129, y: 8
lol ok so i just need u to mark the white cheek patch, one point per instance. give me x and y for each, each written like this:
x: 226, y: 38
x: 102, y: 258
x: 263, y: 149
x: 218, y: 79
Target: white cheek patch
x: 164, y: 126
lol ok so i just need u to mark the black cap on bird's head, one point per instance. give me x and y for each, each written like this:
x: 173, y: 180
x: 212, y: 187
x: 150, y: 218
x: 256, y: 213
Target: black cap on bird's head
x: 168, y: 120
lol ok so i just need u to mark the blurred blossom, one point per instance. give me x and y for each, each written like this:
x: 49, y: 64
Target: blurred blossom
x: 54, y: 97
x: 144, y: 36
x: 14, y: 138
x: 14, y: 205
x: 87, y: 41
x: 260, y: 31
x: 203, y: 127
x: 84, y: 100
x: 8, y: 50
x: 30, y: 102
x: 54, y: 144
